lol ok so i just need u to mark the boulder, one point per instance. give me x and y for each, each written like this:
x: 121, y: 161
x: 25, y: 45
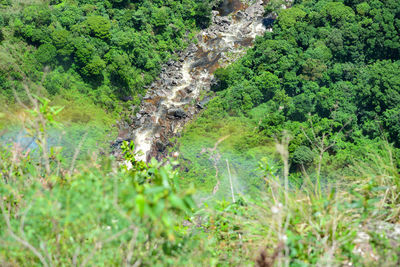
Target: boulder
x: 176, y: 113
x: 190, y: 89
x: 225, y: 20
x: 170, y: 62
x: 239, y: 15
x: 167, y: 81
x: 192, y: 48
x: 245, y: 30
x: 160, y: 146
x: 174, y: 82
x: 127, y: 98
x: 215, y: 13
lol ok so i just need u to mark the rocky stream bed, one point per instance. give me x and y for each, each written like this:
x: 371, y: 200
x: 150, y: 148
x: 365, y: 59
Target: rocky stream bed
x: 174, y: 99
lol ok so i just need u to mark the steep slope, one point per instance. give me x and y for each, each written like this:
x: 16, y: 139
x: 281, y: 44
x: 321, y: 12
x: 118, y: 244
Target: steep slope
x: 174, y: 99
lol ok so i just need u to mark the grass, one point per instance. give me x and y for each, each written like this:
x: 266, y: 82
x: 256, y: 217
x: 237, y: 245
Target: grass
x: 97, y: 212
x: 350, y: 219
x: 350, y: 224
x: 241, y: 148
x: 80, y: 120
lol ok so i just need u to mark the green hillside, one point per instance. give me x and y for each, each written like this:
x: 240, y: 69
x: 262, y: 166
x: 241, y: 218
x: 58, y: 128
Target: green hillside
x: 327, y: 77
x: 293, y: 162
x: 94, y: 58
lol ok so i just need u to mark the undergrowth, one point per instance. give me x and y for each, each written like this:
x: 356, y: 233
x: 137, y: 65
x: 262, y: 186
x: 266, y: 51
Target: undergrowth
x: 106, y: 213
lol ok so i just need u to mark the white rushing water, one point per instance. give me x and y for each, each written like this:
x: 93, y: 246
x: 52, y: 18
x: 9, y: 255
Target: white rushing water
x: 223, y: 42
x: 186, y: 81
x: 145, y: 135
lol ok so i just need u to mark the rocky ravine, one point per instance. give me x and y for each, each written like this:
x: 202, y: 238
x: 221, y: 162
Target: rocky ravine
x: 173, y: 99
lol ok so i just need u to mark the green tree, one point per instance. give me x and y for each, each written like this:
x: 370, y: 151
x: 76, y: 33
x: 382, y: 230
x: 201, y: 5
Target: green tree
x: 95, y: 67
x: 203, y: 14
x: 84, y: 51
x: 267, y: 83
x: 99, y: 26
x: 46, y: 53
x: 62, y: 40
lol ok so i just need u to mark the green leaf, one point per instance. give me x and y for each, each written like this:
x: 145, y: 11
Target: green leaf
x: 140, y: 203
x: 177, y: 202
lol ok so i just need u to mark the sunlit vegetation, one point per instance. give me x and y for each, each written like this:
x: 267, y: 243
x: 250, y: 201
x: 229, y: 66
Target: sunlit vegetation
x: 107, y: 49
x: 328, y: 75
x: 103, y: 212
x: 92, y: 57
x: 294, y: 162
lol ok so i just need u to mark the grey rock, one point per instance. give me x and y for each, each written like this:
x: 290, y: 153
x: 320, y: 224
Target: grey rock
x: 215, y: 13
x: 178, y: 76
x: 245, y: 30
x: 192, y: 48
x: 189, y: 89
x: 205, y: 100
x: 160, y: 146
x: 176, y: 113
x: 167, y: 81
x: 127, y: 98
x: 174, y: 82
x: 239, y: 15
x: 225, y: 20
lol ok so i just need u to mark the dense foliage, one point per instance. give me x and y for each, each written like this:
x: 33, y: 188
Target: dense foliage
x: 133, y: 213
x: 90, y: 218
x: 94, y: 58
x: 314, y: 99
x: 104, y: 50
x: 328, y: 74
x: 103, y: 213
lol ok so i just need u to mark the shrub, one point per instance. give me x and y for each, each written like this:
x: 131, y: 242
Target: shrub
x: 46, y: 53
x: 99, y: 26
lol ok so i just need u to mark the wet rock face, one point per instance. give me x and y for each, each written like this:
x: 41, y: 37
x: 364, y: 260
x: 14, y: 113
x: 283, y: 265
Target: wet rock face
x: 176, y: 113
x: 160, y: 146
x: 173, y: 100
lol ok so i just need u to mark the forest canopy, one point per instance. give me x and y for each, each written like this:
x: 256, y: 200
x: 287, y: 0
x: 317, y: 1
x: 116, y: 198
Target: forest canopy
x: 291, y: 163
x: 111, y: 48
x: 328, y: 72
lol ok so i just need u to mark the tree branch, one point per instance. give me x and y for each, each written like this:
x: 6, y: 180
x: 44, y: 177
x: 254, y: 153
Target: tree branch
x: 23, y: 242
